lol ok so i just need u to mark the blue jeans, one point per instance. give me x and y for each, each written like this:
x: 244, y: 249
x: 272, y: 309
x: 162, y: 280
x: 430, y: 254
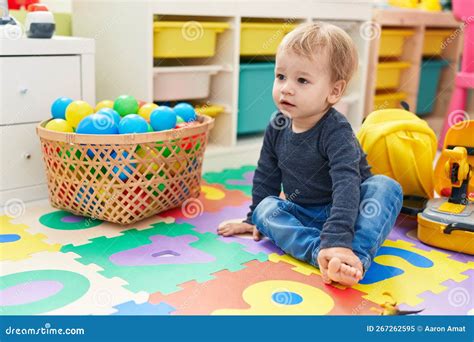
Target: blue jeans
x: 296, y: 229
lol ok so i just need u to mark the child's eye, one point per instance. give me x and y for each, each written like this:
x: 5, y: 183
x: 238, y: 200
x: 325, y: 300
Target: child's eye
x: 280, y: 77
x: 303, y: 80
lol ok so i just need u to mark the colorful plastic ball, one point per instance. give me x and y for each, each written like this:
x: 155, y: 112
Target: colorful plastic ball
x: 141, y: 103
x: 97, y: 124
x: 104, y: 104
x: 150, y: 129
x: 112, y: 113
x: 185, y: 111
x: 179, y: 120
x: 121, y: 157
x: 146, y: 109
x: 163, y: 118
x: 58, y: 108
x: 76, y: 111
x: 59, y: 125
x: 148, y: 156
x: 133, y: 123
x: 126, y: 104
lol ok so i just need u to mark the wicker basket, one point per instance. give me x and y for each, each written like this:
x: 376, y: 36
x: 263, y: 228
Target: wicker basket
x: 124, y: 178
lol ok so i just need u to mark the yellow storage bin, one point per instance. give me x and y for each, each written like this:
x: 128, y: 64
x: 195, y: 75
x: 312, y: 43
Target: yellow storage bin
x: 186, y: 39
x: 434, y: 39
x: 388, y: 74
x: 392, y: 41
x: 212, y: 110
x: 385, y: 101
x: 262, y: 39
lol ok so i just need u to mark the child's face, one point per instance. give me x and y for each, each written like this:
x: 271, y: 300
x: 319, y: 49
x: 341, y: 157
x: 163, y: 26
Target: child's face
x: 302, y: 86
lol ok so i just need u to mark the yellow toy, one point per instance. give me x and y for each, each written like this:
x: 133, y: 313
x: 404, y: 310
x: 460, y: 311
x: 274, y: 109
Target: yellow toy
x: 59, y: 125
x: 401, y: 146
x: 76, y: 111
x: 430, y: 5
x: 404, y: 3
x: 449, y: 222
x: 104, y: 104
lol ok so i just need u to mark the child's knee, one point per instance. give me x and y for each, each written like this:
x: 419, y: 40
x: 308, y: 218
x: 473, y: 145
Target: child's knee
x: 264, y: 210
x: 386, y: 187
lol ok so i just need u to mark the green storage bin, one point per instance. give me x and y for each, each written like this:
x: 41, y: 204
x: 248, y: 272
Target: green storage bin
x: 429, y: 80
x: 256, y: 104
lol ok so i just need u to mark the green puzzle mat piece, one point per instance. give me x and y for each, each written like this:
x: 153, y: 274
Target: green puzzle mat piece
x: 164, y: 278
x: 232, y: 174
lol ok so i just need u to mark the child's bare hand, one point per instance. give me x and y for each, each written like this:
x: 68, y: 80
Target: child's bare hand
x: 229, y: 229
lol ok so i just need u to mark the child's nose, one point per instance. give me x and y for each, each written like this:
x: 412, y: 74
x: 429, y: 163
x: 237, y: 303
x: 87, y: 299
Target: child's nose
x: 287, y: 89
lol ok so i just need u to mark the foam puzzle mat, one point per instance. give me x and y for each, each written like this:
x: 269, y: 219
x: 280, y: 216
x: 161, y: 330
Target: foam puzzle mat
x: 55, y: 263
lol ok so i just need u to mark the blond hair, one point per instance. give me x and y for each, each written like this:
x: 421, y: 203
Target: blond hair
x: 313, y: 38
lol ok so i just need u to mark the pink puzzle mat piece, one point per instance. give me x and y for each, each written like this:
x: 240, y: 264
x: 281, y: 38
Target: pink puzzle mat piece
x: 225, y: 291
x: 405, y: 229
x: 456, y: 300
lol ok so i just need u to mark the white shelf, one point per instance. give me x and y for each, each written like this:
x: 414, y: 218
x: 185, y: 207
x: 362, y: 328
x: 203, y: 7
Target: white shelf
x: 115, y: 64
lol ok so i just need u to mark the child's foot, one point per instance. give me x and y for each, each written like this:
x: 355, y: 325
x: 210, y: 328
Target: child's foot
x: 342, y: 273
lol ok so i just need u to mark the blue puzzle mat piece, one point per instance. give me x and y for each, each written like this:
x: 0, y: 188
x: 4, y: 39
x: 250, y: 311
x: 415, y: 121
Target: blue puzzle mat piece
x: 379, y: 272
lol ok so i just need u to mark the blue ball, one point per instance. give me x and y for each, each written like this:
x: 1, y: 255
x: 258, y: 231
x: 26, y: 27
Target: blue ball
x: 163, y: 118
x: 128, y: 171
x: 97, y: 124
x: 58, y: 108
x: 112, y: 113
x: 133, y: 123
x: 186, y: 111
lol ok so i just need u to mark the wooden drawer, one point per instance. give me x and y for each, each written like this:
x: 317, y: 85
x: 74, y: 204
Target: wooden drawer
x: 21, y: 163
x: 29, y: 85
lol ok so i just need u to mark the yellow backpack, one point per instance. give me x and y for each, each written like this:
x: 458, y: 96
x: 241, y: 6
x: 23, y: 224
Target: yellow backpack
x: 401, y: 146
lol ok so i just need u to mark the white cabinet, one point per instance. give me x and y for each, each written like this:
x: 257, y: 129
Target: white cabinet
x: 33, y: 73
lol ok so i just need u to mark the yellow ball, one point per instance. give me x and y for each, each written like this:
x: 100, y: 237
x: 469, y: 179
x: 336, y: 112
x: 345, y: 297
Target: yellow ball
x: 59, y: 125
x: 76, y: 111
x: 104, y: 104
x: 147, y: 154
x: 146, y: 109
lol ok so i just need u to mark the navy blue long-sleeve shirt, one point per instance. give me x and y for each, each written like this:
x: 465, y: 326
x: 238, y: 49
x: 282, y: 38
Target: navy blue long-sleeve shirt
x: 322, y: 165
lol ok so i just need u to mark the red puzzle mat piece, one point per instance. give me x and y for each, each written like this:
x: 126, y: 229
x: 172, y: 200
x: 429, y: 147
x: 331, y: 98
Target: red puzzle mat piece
x: 225, y: 291
x: 213, y: 197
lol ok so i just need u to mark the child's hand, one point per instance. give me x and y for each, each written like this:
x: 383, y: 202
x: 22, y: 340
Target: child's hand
x: 230, y: 229
x: 340, y: 264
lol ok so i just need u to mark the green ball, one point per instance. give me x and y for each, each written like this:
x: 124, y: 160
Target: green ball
x: 179, y: 119
x: 125, y: 105
x: 150, y: 129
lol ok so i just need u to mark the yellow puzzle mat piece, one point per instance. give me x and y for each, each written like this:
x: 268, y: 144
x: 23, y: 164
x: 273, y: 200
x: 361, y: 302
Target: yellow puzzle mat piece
x: 259, y: 297
x: 415, y: 280
x: 22, y: 243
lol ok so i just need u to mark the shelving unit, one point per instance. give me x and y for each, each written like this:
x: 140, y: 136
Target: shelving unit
x: 124, y: 35
x: 419, y: 21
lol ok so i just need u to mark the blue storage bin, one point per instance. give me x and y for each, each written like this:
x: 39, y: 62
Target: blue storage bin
x: 429, y: 80
x: 256, y: 104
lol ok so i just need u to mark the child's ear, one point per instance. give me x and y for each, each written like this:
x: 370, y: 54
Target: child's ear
x: 337, y: 91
